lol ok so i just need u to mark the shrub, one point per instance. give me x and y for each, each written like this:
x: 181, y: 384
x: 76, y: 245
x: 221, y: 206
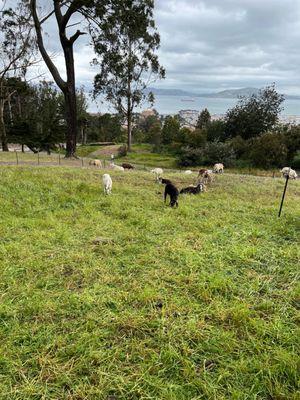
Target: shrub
x: 296, y: 161
x: 208, y: 155
x: 196, y: 138
x: 268, y: 150
x: 240, y: 147
x: 215, y: 131
x: 189, y: 157
x: 219, y: 152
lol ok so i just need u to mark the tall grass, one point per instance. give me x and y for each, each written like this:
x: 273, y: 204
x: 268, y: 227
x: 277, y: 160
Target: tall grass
x: 121, y: 297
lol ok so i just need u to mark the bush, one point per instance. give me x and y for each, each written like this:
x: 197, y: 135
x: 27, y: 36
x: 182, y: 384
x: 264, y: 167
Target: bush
x: 189, y: 157
x: 240, y: 147
x: 268, y: 150
x: 215, y: 131
x: 219, y: 152
x: 296, y: 161
x: 196, y: 138
x: 210, y: 154
x: 122, y: 151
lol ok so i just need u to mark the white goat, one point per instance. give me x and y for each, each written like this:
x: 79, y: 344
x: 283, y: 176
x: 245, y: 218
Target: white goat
x: 218, y: 168
x: 158, y: 173
x: 107, y: 183
x: 116, y: 167
x: 287, y: 171
x: 96, y: 163
x: 188, y: 172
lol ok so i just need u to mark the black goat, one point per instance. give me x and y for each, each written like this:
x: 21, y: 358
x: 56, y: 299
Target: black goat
x: 193, y: 189
x: 173, y: 192
x: 127, y: 166
x: 165, y: 181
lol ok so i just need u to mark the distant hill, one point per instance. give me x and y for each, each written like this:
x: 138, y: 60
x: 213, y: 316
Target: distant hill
x: 225, y: 94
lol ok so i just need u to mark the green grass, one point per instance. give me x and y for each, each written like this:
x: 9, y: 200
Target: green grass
x: 121, y: 297
x: 142, y: 155
x: 86, y: 150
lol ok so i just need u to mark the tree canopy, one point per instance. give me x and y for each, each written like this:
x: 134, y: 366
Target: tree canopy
x: 255, y: 115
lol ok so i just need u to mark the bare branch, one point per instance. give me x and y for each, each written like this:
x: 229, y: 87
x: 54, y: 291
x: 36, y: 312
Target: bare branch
x: 52, y: 68
x: 76, y: 36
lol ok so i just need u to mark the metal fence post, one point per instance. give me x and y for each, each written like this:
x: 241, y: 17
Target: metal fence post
x: 17, y: 157
x: 283, y: 194
x: 38, y: 158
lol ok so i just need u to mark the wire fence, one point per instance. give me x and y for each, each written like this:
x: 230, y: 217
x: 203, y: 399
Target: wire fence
x: 56, y: 159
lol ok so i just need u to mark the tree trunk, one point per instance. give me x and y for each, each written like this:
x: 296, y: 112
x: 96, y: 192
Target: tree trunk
x: 23, y: 148
x: 2, y: 129
x: 129, y: 131
x: 71, y: 119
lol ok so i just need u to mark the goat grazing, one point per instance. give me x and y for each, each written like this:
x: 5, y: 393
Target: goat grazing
x: 193, y: 189
x: 127, y: 166
x: 96, y: 163
x: 288, y: 172
x: 116, y: 167
x: 107, y: 183
x: 165, y: 181
x: 170, y: 190
x: 158, y: 172
x: 218, y: 168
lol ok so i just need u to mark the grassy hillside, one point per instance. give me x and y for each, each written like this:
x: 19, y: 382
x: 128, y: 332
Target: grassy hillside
x: 120, y: 297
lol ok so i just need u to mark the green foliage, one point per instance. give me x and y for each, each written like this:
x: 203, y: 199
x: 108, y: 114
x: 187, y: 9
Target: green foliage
x: 145, y: 124
x: 296, y: 161
x: 215, y: 131
x: 268, y: 150
x: 154, y: 136
x: 38, y: 123
x: 209, y: 154
x: 126, y: 41
x: 197, y: 138
x: 204, y: 119
x: 93, y: 308
x: 110, y: 128
x: 183, y: 136
x: 255, y: 115
x: 170, y: 130
x: 240, y: 147
x: 291, y: 138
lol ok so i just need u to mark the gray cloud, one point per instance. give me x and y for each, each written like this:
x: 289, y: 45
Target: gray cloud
x: 230, y: 43
x: 215, y: 44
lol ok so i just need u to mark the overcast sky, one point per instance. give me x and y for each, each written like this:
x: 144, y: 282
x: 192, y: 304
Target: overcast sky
x: 210, y: 45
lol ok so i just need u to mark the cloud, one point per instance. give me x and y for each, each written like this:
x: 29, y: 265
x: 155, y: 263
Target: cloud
x: 214, y: 44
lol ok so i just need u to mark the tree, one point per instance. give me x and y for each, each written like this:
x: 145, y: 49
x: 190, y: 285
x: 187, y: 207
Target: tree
x: 204, y: 119
x: 255, y: 115
x: 215, y: 131
x: 63, y: 11
x: 268, y: 150
x: 126, y: 41
x: 170, y: 129
x: 39, y: 125
x: 196, y: 138
x: 154, y: 136
x: 16, y: 48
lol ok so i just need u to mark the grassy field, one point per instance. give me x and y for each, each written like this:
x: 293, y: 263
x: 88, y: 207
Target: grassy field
x: 141, y: 157
x: 123, y: 298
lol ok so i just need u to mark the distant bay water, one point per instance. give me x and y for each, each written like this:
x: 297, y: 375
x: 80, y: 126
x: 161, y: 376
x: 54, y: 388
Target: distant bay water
x: 172, y: 104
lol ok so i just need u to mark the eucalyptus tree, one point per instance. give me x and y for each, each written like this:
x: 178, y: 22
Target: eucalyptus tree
x: 126, y: 41
x: 16, y: 55
x: 63, y: 11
